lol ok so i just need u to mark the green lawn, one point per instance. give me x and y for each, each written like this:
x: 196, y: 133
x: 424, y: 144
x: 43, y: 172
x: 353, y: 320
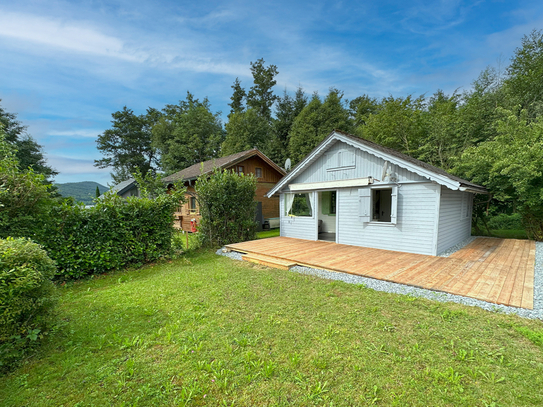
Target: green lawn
x: 207, y: 330
x: 268, y: 233
x: 505, y: 233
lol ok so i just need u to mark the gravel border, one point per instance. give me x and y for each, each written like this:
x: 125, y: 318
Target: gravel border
x: 379, y: 285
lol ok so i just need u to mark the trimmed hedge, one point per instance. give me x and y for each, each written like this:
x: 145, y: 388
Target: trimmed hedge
x: 27, y: 297
x: 227, y: 204
x: 114, y: 233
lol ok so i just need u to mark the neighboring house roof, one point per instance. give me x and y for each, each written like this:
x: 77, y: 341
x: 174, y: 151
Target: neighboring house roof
x: 412, y: 164
x: 194, y: 171
x: 124, y: 186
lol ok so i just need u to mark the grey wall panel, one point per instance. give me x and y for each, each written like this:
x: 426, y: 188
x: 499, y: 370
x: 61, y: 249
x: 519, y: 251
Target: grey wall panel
x: 365, y: 165
x: 415, y: 228
x: 454, y: 218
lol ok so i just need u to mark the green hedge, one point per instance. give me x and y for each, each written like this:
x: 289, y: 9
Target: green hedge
x: 114, y: 233
x: 227, y: 204
x: 27, y: 297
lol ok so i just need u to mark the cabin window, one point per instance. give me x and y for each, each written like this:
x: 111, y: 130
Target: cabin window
x: 299, y: 204
x: 465, y: 206
x: 378, y: 205
x: 382, y: 204
x: 240, y: 169
x: 192, y: 205
x: 258, y: 172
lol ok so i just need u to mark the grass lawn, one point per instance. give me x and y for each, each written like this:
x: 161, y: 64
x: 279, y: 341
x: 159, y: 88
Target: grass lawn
x: 504, y: 233
x: 207, y: 330
x: 268, y: 233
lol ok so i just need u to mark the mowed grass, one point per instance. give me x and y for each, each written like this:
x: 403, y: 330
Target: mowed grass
x: 268, y: 233
x: 208, y: 330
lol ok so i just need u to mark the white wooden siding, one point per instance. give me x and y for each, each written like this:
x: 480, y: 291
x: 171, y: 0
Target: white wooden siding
x: 365, y: 165
x: 299, y: 227
x: 454, y: 218
x: 415, y: 227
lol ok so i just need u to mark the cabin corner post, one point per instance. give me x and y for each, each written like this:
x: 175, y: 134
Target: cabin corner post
x: 436, y: 220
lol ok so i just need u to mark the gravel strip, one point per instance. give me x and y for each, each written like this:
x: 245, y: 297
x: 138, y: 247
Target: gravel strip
x: 379, y: 285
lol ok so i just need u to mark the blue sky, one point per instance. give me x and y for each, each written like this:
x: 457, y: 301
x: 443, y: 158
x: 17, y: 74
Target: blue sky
x: 65, y: 66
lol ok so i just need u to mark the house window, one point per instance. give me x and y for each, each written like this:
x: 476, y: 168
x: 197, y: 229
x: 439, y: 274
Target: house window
x: 465, y: 206
x: 240, y: 169
x: 192, y: 205
x: 378, y: 205
x: 258, y: 172
x: 299, y: 204
x: 382, y: 204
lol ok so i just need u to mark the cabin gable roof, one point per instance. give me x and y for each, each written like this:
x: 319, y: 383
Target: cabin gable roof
x: 418, y: 167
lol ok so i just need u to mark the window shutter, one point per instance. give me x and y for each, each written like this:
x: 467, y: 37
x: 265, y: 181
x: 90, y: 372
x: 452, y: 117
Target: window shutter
x: 325, y: 202
x: 394, y: 206
x: 364, y: 205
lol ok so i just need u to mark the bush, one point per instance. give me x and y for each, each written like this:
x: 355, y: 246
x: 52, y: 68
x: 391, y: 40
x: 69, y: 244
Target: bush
x: 503, y: 221
x: 227, y: 204
x: 24, y: 197
x: 114, y: 233
x: 27, y: 297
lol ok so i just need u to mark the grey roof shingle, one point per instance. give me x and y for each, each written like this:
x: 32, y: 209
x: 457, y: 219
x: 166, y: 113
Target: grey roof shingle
x: 194, y: 171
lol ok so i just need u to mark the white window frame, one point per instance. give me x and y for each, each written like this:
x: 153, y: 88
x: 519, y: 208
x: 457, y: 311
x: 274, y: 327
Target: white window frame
x: 365, y: 200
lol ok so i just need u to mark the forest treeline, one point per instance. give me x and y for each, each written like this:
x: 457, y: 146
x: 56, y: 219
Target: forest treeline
x: 490, y: 133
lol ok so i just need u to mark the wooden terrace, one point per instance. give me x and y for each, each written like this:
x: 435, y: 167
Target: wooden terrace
x: 500, y: 271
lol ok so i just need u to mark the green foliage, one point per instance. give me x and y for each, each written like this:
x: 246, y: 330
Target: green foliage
x: 127, y: 145
x: 227, y: 203
x: 27, y: 297
x: 260, y: 96
x: 114, y: 233
x: 525, y: 74
x: 511, y: 165
x: 28, y: 152
x: 236, y: 106
x: 187, y: 134
x: 24, y: 197
x: 245, y: 130
x: 398, y: 124
x: 315, y: 122
x: 504, y: 221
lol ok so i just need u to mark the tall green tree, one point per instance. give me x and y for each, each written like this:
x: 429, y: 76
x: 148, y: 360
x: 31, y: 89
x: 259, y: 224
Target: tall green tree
x: 398, y: 124
x: 440, y: 141
x: 127, y: 145
x: 316, y: 121
x: 525, y: 74
x: 286, y: 111
x: 237, y: 98
x: 28, y: 152
x: 246, y: 130
x: 261, y: 96
x: 187, y: 134
x: 360, y: 108
x: 510, y: 166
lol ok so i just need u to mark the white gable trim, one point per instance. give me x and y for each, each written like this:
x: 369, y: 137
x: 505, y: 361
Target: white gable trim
x: 440, y: 179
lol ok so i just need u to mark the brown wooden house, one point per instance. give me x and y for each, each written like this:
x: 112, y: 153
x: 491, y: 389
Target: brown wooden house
x: 247, y: 162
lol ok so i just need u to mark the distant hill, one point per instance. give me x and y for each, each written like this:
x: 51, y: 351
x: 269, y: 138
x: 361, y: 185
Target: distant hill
x: 84, y: 191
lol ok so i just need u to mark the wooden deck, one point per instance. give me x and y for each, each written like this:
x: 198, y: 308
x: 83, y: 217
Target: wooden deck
x: 500, y: 271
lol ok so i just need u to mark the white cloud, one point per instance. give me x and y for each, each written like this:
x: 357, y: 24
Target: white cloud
x: 76, y: 133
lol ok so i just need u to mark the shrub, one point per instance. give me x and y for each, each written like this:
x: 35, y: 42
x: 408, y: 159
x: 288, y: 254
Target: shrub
x: 114, y: 233
x: 27, y: 297
x: 227, y: 204
x: 24, y: 198
x: 503, y: 221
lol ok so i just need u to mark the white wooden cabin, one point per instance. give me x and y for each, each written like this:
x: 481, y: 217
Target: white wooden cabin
x: 352, y: 191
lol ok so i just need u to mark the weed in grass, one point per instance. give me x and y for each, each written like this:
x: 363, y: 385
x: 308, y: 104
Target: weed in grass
x: 465, y: 356
x: 492, y: 378
x: 318, y: 391
x: 295, y: 359
x: 320, y: 363
x: 269, y: 369
x: 371, y: 396
x: 535, y: 336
